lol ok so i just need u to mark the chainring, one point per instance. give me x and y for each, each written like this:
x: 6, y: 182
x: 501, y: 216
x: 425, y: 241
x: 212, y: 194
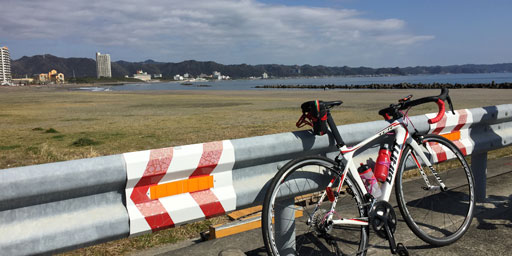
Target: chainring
x: 380, y: 214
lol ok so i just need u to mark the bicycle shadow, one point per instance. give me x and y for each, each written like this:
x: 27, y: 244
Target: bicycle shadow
x: 494, y: 214
x: 308, y: 140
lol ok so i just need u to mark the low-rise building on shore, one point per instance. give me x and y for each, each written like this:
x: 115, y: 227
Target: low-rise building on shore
x: 22, y: 81
x: 52, y: 77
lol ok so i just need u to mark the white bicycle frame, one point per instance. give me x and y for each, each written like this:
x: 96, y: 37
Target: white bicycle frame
x: 402, y: 138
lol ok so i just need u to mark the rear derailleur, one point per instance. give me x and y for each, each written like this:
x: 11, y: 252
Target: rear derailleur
x: 383, y: 221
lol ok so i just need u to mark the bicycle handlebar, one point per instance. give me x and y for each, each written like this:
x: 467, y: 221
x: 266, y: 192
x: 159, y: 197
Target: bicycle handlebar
x: 440, y: 113
x: 406, y: 103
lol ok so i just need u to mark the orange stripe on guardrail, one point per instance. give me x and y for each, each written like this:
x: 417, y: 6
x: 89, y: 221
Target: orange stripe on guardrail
x: 181, y: 186
x: 453, y: 136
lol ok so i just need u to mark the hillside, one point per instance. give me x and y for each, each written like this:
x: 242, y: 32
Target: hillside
x: 86, y: 67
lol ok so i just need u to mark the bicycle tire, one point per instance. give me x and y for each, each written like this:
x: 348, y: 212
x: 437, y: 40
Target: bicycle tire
x: 310, y: 174
x: 450, y: 212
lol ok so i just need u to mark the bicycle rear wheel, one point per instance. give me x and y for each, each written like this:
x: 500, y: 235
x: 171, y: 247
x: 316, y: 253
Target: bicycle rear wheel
x: 295, y: 219
x: 437, y: 217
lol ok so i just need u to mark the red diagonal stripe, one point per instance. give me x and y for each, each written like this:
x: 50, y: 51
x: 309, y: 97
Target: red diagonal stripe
x: 463, y: 117
x: 439, y: 151
x: 206, y: 199
x: 153, y: 210
x: 208, y: 202
x: 155, y: 214
x: 209, y: 159
x: 440, y: 125
x: 461, y: 147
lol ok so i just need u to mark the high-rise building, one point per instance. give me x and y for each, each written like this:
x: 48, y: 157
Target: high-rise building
x: 103, y: 68
x: 5, y: 66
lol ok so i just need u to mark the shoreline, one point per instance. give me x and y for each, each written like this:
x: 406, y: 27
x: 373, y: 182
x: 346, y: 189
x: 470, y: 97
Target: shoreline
x: 340, y: 85
x: 69, y: 85
x: 392, y: 86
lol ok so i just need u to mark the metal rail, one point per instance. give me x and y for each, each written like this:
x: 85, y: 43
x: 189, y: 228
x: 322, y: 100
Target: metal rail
x: 60, y: 206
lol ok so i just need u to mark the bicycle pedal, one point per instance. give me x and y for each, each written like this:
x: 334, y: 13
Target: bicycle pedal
x: 402, y: 250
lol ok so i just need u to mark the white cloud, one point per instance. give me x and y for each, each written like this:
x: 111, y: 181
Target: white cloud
x: 245, y: 29
x: 403, y: 39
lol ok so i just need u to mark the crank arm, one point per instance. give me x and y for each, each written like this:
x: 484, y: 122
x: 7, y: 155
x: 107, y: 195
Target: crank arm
x: 391, y: 238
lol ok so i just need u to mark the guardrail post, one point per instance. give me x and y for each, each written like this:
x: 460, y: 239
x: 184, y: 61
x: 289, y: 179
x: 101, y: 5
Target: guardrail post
x: 479, y: 167
x: 284, y: 214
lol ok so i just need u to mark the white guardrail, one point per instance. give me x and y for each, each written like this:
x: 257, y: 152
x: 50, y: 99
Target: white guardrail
x: 60, y: 206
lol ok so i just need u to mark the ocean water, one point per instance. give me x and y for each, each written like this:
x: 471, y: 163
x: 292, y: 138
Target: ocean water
x: 251, y: 84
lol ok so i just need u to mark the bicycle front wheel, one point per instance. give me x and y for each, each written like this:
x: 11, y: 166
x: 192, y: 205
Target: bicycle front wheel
x: 436, y: 214
x: 297, y: 215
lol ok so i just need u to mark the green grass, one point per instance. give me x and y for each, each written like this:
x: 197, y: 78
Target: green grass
x: 51, y: 130
x: 84, y: 141
x: 9, y: 147
x: 58, y: 137
x: 91, y: 124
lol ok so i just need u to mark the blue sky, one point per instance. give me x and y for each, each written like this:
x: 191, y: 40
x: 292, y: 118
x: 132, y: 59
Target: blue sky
x: 319, y: 32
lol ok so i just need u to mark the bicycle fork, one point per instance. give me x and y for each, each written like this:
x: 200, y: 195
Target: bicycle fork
x: 416, y: 148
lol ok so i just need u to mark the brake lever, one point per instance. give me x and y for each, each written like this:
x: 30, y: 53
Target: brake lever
x: 450, y: 103
x: 406, y: 99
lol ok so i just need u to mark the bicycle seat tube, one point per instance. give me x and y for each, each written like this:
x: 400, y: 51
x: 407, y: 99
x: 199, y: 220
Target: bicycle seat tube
x: 334, y: 130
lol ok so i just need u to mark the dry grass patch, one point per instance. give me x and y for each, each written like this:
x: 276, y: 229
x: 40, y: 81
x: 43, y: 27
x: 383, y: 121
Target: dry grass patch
x: 132, y: 121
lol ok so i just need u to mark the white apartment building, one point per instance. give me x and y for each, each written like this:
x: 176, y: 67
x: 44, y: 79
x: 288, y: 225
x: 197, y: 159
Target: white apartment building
x: 103, y: 68
x: 5, y: 66
x: 144, y: 76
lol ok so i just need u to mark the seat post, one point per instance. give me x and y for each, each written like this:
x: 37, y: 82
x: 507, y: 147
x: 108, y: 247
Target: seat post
x: 334, y: 130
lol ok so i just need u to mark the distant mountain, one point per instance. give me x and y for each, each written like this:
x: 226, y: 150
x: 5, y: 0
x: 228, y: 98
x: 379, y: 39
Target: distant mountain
x: 85, y: 67
x: 29, y: 66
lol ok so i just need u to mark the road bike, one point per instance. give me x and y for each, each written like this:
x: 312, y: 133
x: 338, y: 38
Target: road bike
x: 320, y: 206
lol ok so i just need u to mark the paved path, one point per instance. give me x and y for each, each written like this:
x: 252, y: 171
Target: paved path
x: 490, y: 232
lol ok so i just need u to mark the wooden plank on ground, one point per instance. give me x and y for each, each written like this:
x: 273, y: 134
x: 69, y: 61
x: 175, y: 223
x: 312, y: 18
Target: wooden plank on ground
x: 239, y: 226
x: 244, y: 212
